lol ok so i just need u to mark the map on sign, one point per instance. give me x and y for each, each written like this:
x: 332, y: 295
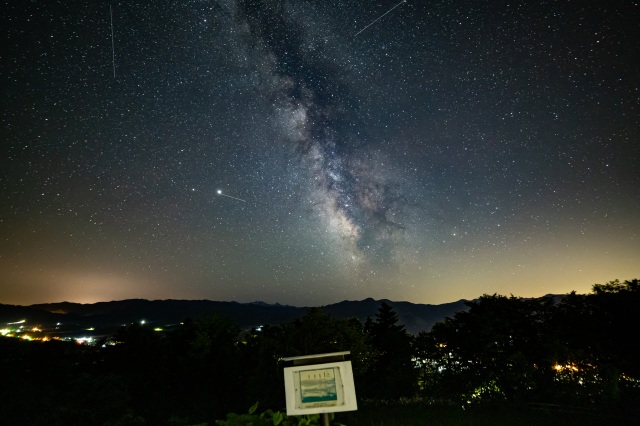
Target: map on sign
x: 318, y: 386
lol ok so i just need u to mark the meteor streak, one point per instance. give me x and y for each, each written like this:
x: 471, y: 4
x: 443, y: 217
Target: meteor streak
x: 229, y: 196
x: 379, y: 17
x: 113, y: 46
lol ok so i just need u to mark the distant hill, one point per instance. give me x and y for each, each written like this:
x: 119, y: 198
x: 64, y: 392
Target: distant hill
x: 172, y: 311
x: 415, y: 317
x: 14, y: 313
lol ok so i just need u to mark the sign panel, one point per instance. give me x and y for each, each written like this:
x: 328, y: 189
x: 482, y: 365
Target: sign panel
x: 320, y: 388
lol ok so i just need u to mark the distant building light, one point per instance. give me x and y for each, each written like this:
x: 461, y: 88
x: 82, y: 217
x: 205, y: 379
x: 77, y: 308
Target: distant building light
x: 143, y: 322
x: 565, y: 367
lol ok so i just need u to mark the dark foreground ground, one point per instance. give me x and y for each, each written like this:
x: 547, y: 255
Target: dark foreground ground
x: 418, y: 415
x: 414, y: 415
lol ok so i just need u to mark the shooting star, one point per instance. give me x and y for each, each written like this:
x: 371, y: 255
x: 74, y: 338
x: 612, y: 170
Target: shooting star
x: 379, y: 17
x: 113, y: 46
x: 229, y: 196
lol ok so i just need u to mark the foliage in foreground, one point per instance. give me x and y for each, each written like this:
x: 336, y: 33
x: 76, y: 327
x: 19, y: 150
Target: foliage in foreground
x: 272, y: 418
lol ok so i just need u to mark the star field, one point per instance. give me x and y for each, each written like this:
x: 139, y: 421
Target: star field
x: 449, y: 149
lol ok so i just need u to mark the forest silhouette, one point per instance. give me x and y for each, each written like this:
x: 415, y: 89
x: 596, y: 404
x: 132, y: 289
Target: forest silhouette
x: 578, y: 355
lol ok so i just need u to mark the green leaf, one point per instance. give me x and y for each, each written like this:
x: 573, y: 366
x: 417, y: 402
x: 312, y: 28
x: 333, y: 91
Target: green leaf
x: 253, y: 408
x: 277, y: 418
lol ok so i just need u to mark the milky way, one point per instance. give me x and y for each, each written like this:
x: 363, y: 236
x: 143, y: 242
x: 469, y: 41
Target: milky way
x: 319, y: 116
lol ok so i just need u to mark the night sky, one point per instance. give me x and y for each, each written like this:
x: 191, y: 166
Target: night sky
x: 448, y: 150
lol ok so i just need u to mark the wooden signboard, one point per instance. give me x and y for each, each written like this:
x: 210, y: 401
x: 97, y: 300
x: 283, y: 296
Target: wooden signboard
x: 319, y: 384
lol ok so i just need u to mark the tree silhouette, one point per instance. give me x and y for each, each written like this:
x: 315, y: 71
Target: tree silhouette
x: 496, y: 349
x: 596, y: 331
x: 392, y: 374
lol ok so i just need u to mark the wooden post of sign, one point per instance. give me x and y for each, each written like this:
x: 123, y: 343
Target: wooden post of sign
x: 325, y: 419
